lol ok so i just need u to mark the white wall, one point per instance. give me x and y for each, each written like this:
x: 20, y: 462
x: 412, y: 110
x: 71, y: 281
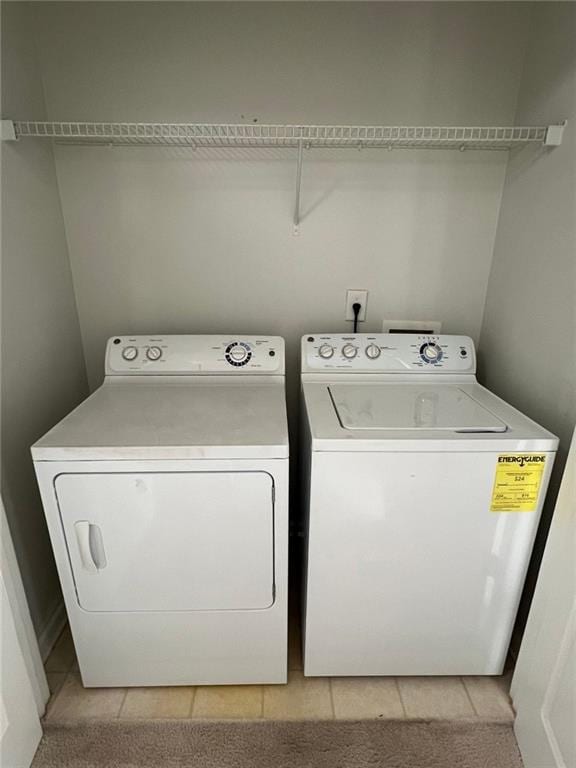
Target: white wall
x: 43, y: 373
x: 528, y: 339
x: 172, y: 240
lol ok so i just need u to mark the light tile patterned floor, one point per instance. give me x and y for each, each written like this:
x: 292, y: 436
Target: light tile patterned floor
x: 483, y: 698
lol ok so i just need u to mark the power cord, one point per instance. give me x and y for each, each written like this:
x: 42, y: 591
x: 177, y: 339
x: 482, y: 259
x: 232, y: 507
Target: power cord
x: 356, y: 307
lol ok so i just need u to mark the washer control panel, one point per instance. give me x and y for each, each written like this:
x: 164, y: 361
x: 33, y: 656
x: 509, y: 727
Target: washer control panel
x: 388, y: 353
x: 190, y: 355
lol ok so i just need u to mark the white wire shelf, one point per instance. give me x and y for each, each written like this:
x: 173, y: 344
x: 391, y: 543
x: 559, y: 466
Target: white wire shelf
x: 308, y: 136
x: 300, y: 137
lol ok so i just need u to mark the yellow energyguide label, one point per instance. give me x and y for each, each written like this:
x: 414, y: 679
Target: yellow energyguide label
x: 517, y: 482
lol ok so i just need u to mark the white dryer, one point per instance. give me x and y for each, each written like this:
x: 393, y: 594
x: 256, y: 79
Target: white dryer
x: 423, y: 492
x: 166, y: 496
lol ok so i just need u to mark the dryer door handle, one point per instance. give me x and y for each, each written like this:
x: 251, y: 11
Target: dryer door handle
x: 91, y: 546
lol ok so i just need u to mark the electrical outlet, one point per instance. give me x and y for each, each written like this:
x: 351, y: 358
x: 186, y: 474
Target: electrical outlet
x: 352, y: 296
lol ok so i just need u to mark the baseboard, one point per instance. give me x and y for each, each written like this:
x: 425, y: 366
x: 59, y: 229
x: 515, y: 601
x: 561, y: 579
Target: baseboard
x: 47, y: 637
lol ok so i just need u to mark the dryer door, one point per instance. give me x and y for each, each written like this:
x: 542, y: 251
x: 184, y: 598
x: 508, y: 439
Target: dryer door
x: 169, y: 541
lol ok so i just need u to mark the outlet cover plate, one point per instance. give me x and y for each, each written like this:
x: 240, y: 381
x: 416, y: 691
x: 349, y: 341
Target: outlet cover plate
x: 354, y: 295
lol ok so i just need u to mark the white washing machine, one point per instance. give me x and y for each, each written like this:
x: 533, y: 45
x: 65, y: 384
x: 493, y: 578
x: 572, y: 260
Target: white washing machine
x: 166, y: 496
x: 423, y: 493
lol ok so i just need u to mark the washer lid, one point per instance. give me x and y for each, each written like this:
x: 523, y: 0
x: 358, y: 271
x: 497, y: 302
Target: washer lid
x: 411, y: 407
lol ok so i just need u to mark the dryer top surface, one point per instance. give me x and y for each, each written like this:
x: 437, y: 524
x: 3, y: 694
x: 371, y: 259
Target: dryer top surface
x: 175, y: 419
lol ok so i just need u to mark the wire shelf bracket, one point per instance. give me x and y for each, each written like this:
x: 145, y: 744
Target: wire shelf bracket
x: 298, y: 137
x: 555, y: 134
x: 299, y: 164
x: 7, y: 130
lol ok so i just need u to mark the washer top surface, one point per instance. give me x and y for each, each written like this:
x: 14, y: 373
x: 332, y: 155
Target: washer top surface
x: 411, y: 407
x: 406, y: 392
x: 423, y: 416
x: 193, y: 398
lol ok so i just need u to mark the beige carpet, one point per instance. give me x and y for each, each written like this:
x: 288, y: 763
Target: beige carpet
x: 309, y: 744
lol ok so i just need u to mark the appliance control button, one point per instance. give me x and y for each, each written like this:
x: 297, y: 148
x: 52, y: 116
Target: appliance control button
x: 130, y: 353
x: 372, y: 351
x: 326, y: 351
x: 349, y: 351
x: 153, y: 353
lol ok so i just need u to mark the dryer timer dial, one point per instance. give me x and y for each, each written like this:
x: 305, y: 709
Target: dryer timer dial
x: 238, y: 353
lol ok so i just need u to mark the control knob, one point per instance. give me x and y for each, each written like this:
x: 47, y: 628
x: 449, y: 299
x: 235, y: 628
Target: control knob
x: 430, y: 353
x: 153, y: 353
x: 238, y: 353
x: 349, y: 351
x: 130, y: 353
x: 372, y: 351
x: 326, y: 351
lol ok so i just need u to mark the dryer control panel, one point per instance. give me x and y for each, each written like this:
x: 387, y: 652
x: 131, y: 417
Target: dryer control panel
x: 388, y: 353
x: 191, y: 355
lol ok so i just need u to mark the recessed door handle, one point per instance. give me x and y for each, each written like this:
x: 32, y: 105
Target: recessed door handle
x: 90, y: 545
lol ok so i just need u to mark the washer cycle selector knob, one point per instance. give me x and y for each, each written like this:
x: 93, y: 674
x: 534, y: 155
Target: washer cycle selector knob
x: 130, y: 353
x: 349, y: 351
x: 153, y: 353
x: 326, y: 351
x: 372, y: 351
x: 430, y: 353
